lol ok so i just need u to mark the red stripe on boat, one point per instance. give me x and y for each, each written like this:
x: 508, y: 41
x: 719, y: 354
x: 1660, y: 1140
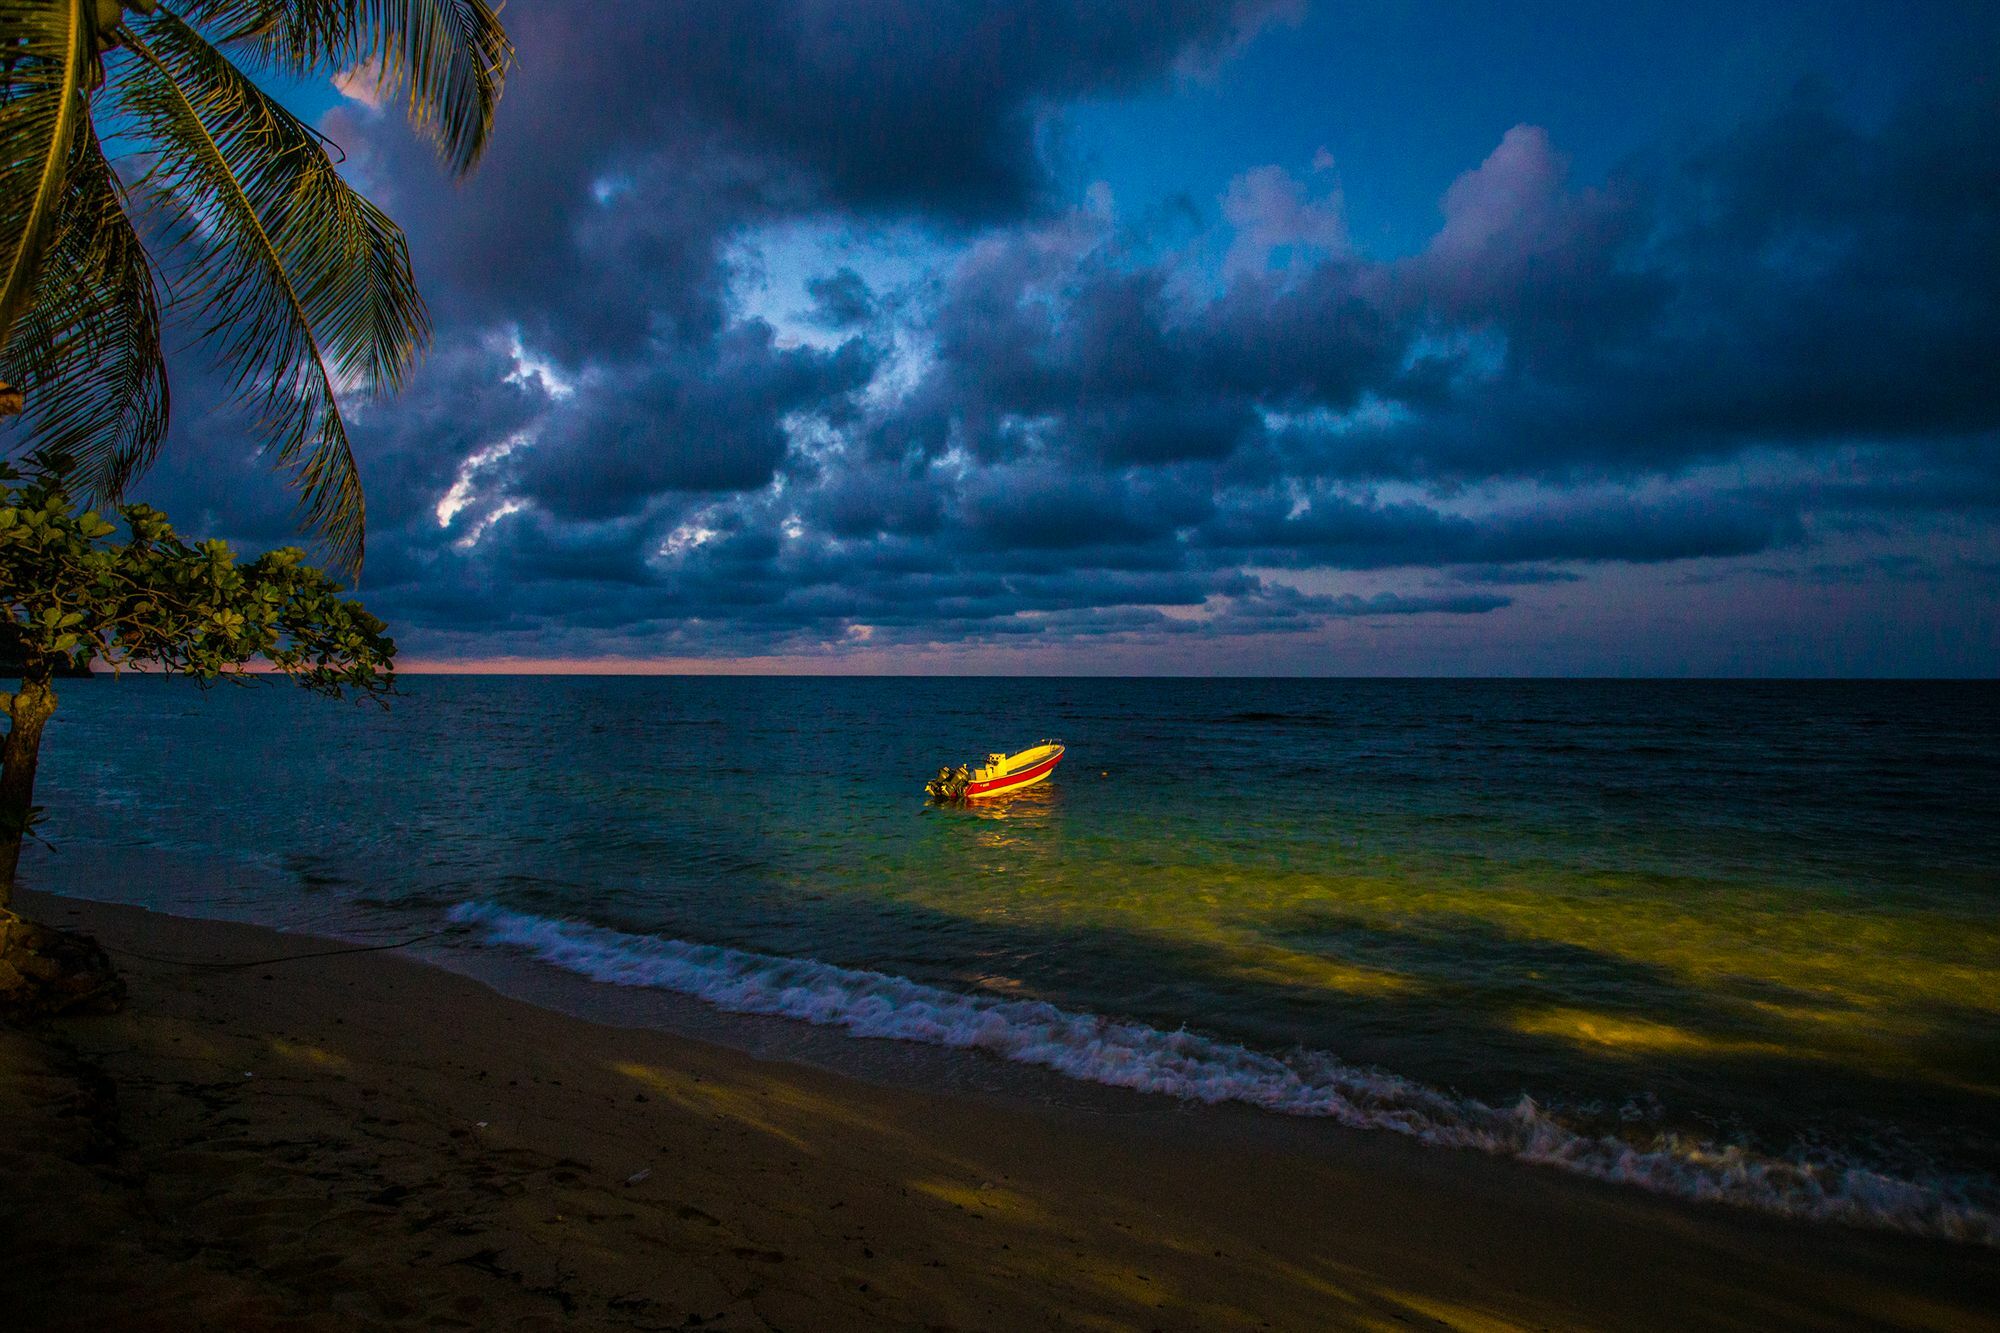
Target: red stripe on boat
x: 1012, y: 779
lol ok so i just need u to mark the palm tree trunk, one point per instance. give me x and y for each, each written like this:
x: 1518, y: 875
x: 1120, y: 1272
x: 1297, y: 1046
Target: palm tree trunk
x: 28, y: 710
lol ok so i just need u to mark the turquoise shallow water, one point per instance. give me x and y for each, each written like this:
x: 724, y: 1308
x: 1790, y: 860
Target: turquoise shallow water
x: 1720, y: 917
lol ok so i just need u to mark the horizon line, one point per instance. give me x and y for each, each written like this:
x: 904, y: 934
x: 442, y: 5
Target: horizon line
x: 761, y: 669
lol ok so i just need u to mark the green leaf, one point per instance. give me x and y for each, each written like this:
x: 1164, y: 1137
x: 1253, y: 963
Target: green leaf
x: 296, y: 276
x: 86, y: 352
x: 450, y: 56
x: 47, y: 46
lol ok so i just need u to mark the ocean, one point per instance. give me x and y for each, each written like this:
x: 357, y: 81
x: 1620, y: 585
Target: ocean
x: 1729, y: 940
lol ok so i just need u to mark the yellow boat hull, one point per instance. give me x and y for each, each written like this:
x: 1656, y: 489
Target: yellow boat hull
x: 1003, y: 775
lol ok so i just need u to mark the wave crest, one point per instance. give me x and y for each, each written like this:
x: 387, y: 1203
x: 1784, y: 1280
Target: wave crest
x: 1183, y: 1064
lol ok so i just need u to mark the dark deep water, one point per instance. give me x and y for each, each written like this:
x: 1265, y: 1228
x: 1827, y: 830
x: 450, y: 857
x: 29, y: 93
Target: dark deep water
x: 1699, y: 917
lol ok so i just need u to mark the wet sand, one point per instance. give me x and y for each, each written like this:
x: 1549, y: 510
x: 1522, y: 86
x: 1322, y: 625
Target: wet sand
x: 363, y: 1141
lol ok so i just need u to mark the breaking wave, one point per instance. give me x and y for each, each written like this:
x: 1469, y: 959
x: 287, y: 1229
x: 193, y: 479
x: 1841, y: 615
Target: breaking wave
x: 1183, y: 1064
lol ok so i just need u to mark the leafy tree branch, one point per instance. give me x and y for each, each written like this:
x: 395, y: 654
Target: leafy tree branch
x: 77, y: 588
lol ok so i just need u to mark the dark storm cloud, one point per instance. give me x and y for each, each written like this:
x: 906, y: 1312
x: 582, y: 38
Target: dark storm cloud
x: 634, y: 138
x: 1736, y: 298
x: 922, y: 105
x: 841, y: 300
x: 707, y: 421
x: 1050, y: 327
x: 1797, y: 282
x: 867, y: 498
x: 634, y: 144
x: 1347, y: 534
x: 1506, y: 576
x: 1028, y: 507
x: 1067, y: 427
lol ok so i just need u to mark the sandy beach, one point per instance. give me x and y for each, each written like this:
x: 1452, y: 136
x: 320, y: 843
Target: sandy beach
x: 364, y: 1141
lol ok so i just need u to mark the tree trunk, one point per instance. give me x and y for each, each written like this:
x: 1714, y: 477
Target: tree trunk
x: 43, y: 971
x: 28, y: 710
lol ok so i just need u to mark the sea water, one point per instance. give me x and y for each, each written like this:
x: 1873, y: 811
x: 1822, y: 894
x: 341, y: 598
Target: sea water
x: 1724, y: 939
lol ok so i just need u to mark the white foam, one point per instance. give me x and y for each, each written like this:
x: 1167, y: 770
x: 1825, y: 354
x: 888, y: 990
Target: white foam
x: 1184, y: 1064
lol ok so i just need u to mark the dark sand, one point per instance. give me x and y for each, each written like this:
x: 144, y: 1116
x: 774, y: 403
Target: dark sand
x: 363, y: 1141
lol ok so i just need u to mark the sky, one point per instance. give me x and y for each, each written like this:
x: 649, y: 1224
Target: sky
x: 1256, y: 337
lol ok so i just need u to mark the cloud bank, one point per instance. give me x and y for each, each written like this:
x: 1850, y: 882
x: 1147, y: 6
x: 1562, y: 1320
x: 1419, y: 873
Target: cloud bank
x: 766, y: 328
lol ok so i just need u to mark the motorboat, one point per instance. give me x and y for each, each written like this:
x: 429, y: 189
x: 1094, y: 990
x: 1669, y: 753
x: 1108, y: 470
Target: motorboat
x: 1000, y: 775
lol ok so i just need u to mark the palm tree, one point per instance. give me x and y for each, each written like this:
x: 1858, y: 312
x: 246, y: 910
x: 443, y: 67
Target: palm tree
x: 299, y: 285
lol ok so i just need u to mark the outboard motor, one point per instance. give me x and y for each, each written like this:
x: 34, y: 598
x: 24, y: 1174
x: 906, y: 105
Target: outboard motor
x: 949, y: 784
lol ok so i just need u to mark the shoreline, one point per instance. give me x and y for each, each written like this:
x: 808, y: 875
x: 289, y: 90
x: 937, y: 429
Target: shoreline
x: 369, y: 1140
x: 886, y: 1029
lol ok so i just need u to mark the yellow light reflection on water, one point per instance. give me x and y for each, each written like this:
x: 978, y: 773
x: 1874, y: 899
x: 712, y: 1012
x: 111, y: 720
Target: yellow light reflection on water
x: 1633, y: 1036
x: 1675, y: 967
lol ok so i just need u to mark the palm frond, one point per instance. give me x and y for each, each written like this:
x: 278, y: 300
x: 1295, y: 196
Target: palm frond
x: 44, y: 59
x: 86, y: 350
x: 300, y: 281
x: 450, y: 57
x: 301, y: 33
